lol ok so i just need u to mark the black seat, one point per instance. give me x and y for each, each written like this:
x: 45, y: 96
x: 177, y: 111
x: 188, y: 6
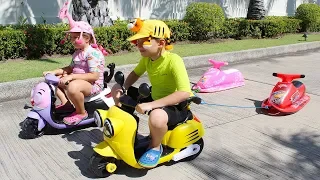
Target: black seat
x: 189, y: 117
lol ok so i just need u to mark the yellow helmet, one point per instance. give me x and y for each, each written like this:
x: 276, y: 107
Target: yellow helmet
x: 150, y: 28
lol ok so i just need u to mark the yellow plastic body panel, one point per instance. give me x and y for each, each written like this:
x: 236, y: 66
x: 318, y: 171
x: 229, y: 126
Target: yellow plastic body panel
x: 184, y: 134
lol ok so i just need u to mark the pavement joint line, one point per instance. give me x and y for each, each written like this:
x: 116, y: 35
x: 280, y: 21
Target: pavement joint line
x: 314, y: 94
x: 259, y: 82
x: 312, y: 127
x: 209, y: 127
x: 274, y: 84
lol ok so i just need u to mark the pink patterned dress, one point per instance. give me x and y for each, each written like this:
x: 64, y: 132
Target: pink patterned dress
x: 90, y: 60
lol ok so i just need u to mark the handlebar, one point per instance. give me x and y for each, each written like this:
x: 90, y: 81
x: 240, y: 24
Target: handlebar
x: 288, y: 77
x: 51, y: 79
x: 128, y: 101
x: 217, y: 64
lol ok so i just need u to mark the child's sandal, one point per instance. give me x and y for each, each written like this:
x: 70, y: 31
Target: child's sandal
x: 150, y: 159
x: 74, y: 118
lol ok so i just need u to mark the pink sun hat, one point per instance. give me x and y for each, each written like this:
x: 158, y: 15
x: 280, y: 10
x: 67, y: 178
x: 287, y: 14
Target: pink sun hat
x: 80, y: 27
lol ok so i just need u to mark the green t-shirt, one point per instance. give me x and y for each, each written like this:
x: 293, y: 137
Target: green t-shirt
x: 166, y: 74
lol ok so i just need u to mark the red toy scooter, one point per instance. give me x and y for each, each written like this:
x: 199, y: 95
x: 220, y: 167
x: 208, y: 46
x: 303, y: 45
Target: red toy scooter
x: 287, y: 96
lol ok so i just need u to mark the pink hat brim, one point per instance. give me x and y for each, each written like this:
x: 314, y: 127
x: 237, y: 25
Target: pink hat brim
x: 77, y: 30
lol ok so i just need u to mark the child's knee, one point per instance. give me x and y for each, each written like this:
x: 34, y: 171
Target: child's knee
x: 72, y: 88
x: 158, y: 118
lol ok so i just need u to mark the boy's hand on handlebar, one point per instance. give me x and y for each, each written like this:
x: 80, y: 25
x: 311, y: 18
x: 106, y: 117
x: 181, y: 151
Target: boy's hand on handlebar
x: 144, y: 107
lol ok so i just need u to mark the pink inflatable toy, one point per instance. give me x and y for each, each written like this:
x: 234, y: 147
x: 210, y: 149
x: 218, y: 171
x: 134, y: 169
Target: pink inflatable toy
x: 79, y: 26
x: 214, y: 79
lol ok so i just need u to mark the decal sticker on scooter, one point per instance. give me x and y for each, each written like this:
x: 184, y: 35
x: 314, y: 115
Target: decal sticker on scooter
x: 295, y: 97
x: 300, y: 102
x: 282, y: 86
x: 277, y: 97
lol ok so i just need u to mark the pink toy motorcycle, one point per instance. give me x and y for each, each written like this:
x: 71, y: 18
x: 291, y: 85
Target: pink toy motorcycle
x: 214, y: 79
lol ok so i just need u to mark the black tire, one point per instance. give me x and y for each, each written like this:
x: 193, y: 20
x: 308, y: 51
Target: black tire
x: 30, y: 129
x: 98, y: 163
x: 200, y: 142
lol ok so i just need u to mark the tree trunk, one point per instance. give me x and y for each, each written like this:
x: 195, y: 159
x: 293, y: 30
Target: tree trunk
x: 95, y: 12
x: 256, y: 10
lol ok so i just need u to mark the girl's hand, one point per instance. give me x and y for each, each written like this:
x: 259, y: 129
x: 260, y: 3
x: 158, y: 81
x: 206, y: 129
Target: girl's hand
x: 48, y: 72
x: 65, y: 79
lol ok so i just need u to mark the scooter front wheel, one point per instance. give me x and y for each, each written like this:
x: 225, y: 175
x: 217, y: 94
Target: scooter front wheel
x: 102, y: 166
x: 30, y: 129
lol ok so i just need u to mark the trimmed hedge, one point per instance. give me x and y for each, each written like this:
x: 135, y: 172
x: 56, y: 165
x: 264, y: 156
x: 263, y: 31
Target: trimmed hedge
x: 180, y: 30
x: 34, y: 41
x: 12, y: 44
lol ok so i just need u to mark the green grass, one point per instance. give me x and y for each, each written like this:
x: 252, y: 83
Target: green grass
x: 23, y: 69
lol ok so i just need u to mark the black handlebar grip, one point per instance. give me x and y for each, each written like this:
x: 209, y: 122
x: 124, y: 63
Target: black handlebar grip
x: 302, y: 76
x: 275, y: 74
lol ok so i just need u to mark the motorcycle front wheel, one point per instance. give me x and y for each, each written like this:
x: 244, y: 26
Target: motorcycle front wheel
x: 102, y: 166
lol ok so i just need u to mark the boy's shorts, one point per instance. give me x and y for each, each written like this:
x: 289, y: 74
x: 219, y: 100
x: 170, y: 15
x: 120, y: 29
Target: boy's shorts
x: 175, y: 114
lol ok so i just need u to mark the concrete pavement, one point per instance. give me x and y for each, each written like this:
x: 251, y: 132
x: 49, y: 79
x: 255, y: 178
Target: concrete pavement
x: 239, y: 143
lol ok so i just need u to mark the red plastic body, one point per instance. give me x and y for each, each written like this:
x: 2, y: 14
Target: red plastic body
x: 287, y: 96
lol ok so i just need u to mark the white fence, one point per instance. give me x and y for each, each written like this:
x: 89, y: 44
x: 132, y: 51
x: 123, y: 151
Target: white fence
x: 38, y: 11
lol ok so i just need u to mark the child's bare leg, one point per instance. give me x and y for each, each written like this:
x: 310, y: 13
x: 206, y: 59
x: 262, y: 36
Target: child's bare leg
x: 158, y: 120
x: 116, y: 93
x: 60, y: 92
x: 61, y: 96
x: 76, y: 91
x: 158, y: 127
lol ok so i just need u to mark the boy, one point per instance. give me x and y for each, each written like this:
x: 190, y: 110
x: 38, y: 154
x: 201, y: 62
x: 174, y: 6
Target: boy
x: 169, y: 80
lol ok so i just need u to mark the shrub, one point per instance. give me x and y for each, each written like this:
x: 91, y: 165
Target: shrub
x: 205, y: 20
x: 12, y: 44
x: 270, y: 27
x: 310, y: 16
x: 45, y: 39
x: 180, y: 29
x: 114, y: 38
x: 34, y: 41
x: 292, y: 25
x: 230, y: 28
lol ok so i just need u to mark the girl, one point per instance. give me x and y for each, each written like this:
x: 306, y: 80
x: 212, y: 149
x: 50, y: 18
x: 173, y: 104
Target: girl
x: 84, y: 76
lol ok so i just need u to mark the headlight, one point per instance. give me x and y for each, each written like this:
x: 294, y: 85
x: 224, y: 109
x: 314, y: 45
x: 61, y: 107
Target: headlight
x: 97, y: 118
x: 108, y: 128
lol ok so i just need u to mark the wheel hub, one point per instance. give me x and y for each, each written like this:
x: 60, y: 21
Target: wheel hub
x: 111, y: 167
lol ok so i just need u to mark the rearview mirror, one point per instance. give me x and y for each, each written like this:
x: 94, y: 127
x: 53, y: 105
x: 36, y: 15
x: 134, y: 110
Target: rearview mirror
x: 119, y: 78
x: 144, y: 90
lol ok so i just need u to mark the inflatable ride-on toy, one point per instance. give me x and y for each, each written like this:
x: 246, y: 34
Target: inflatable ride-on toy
x: 287, y: 96
x: 215, y: 79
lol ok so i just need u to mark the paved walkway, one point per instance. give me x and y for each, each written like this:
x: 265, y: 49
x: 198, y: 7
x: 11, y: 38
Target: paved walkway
x: 239, y: 143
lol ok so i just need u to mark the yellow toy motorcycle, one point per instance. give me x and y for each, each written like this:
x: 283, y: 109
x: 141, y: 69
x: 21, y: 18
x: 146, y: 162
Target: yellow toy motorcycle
x: 183, y: 142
